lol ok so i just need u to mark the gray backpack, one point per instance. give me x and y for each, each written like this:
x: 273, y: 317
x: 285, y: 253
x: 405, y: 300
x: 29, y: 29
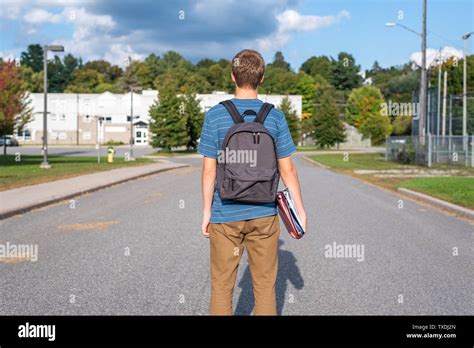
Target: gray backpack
x: 247, y: 167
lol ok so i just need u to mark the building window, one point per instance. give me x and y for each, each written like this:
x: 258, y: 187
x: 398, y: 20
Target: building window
x: 53, y: 117
x: 63, y: 117
x: 134, y: 116
x: 87, y: 118
x: 108, y: 119
x: 25, y: 134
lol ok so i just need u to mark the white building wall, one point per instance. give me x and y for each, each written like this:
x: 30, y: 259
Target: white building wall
x: 65, y: 108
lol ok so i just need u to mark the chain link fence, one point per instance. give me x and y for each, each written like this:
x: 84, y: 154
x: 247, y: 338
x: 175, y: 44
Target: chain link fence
x: 454, y: 150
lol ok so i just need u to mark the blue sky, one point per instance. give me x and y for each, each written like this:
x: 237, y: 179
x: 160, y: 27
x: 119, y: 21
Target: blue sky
x: 116, y: 29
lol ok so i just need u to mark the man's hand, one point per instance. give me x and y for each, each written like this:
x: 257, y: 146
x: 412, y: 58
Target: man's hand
x: 206, y: 218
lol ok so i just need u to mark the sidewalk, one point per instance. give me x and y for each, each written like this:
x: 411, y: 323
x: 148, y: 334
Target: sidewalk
x: 26, y: 198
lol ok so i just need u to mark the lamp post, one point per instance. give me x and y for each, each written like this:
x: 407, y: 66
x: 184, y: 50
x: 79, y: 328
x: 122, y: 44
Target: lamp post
x: 423, y: 89
x: 53, y: 48
x: 132, y: 138
x: 464, y: 86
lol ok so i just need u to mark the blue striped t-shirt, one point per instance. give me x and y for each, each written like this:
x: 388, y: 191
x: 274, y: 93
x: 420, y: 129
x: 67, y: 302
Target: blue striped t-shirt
x: 216, y: 124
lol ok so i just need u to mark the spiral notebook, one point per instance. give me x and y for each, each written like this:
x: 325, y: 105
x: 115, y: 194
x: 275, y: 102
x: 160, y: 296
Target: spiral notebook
x: 289, y: 214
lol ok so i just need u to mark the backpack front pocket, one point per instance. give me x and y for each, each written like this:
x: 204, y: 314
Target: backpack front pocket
x: 249, y: 184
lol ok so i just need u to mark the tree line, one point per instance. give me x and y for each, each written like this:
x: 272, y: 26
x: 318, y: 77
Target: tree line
x: 332, y: 90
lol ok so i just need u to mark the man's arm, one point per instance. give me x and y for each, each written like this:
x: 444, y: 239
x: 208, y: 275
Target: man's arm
x: 290, y: 178
x: 208, y: 179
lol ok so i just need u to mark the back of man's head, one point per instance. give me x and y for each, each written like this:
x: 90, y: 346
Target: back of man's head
x: 248, y: 68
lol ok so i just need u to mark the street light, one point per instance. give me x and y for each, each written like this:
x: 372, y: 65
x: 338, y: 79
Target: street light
x: 46, y: 48
x: 423, y: 89
x: 394, y: 24
x: 464, y: 85
x: 132, y: 138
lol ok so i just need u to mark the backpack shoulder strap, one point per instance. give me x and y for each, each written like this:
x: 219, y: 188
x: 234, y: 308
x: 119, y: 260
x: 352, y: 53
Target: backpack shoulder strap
x: 263, y: 112
x: 232, y: 110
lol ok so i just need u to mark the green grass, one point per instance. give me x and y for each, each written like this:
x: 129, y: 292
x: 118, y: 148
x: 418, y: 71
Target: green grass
x: 375, y: 161
x: 27, y: 171
x: 174, y: 153
x: 308, y: 148
x: 455, y: 189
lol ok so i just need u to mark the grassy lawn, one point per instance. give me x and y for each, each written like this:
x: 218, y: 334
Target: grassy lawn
x: 455, y: 189
x: 355, y: 161
x: 174, y: 153
x: 27, y: 171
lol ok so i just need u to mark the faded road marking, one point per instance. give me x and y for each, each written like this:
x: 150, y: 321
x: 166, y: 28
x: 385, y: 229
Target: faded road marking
x: 102, y: 225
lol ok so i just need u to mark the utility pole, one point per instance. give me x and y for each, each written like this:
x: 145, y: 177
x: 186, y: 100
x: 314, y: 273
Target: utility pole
x: 77, y: 121
x: 131, y: 123
x: 421, y: 124
x: 445, y: 93
x: 464, y: 90
x: 438, y: 114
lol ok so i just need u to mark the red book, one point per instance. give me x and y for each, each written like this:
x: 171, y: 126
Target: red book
x: 288, y: 214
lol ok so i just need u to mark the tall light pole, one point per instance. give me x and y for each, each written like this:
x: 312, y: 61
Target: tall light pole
x: 132, y: 140
x: 53, y: 48
x: 423, y: 87
x: 464, y: 86
x: 423, y: 91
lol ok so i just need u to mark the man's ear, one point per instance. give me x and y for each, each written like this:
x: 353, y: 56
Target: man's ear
x: 233, y: 78
x: 263, y: 78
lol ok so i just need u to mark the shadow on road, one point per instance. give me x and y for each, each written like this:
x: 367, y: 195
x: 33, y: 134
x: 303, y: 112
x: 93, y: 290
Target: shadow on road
x: 287, y: 271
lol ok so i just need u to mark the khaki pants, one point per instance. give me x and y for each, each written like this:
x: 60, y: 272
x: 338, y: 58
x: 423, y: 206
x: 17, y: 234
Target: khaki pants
x: 228, y: 241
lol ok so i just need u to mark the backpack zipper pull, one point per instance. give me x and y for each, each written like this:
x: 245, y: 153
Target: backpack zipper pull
x: 258, y: 138
x: 254, y: 137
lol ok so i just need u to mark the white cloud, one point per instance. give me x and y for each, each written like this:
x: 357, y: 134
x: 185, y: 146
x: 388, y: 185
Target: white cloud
x: 432, y: 55
x: 40, y: 16
x: 290, y: 21
x: 91, y: 37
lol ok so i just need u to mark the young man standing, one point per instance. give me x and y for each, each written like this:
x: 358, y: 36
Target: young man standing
x: 234, y: 226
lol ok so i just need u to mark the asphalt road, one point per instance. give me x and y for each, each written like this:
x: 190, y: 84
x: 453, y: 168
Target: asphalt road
x: 136, y: 248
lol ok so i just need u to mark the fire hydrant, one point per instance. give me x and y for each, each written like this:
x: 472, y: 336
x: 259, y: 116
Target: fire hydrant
x: 110, y: 154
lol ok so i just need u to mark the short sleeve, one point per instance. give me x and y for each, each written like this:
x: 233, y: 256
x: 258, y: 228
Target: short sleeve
x: 284, y: 142
x: 208, y: 144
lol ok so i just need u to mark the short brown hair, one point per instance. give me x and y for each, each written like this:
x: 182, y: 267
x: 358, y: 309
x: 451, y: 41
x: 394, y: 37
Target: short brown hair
x: 248, y: 68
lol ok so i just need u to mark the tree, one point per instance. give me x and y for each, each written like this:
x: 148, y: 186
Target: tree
x: 85, y: 81
x: 291, y: 118
x: 328, y: 128
x: 148, y: 70
x: 129, y: 79
x: 33, y: 80
x: 194, y: 119
x: 15, y: 111
x: 168, y: 123
x: 402, y: 125
x: 344, y: 72
x: 110, y: 72
x: 33, y: 57
x: 279, y: 62
x: 315, y: 66
x: 364, y: 112
x: 306, y: 87
x: 278, y: 81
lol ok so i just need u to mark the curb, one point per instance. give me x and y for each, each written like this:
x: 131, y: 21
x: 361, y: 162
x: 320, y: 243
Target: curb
x: 466, y: 212
x: 47, y: 202
x: 315, y: 162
